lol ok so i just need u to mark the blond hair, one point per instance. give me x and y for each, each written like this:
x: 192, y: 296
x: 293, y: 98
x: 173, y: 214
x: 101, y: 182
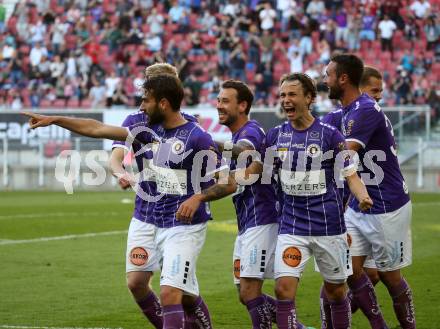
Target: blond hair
x: 160, y: 69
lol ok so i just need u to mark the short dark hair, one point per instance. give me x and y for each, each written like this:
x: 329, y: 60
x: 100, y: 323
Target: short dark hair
x: 351, y: 65
x: 369, y: 72
x: 244, y: 93
x: 165, y: 86
x: 307, y: 83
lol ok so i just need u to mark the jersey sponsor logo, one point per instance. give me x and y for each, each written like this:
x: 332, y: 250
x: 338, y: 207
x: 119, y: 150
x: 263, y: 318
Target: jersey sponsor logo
x: 237, y: 268
x: 138, y: 256
x: 313, y: 150
x: 292, y: 256
x: 171, y: 181
x: 303, y: 183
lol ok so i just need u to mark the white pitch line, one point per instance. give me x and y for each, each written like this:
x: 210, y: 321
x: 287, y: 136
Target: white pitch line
x: 58, y: 214
x: 62, y: 237
x: 30, y: 327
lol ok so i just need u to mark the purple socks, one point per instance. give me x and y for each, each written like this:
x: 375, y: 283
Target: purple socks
x: 403, y: 305
x: 173, y: 317
x: 365, y: 298
x: 151, y: 308
x: 197, y: 316
x: 259, y: 312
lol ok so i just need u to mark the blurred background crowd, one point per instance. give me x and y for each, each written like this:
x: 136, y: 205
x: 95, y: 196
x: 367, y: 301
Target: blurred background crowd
x: 89, y: 54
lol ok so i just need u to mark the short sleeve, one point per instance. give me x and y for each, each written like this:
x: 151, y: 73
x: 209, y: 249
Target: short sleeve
x: 120, y: 144
x: 360, y: 127
x: 343, y: 161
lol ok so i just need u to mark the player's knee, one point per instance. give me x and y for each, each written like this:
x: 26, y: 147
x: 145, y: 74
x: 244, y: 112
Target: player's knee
x: 374, y: 276
x: 284, y: 291
x: 335, y: 291
x: 138, y: 284
x: 170, y: 295
x: 390, y: 279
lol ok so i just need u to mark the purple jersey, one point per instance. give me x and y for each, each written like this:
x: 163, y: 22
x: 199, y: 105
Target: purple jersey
x: 255, y: 204
x: 306, y: 161
x: 143, y: 210
x: 174, y: 153
x: 334, y: 118
x: 365, y: 123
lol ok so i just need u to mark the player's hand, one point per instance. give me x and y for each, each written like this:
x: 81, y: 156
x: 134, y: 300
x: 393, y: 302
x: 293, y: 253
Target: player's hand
x: 125, y: 180
x: 365, y: 204
x: 187, y: 209
x: 38, y: 120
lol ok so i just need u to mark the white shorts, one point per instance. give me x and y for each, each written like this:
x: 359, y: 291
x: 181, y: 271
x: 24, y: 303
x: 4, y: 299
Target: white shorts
x: 141, y: 253
x: 254, y: 253
x: 370, y: 263
x: 331, y: 253
x: 179, y: 248
x: 386, y: 237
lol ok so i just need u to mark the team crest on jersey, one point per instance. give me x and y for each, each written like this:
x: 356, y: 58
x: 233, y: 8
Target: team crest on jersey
x: 313, y: 150
x: 177, y: 147
x: 282, y: 153
x: 314, y: 135
x: 182, y: 133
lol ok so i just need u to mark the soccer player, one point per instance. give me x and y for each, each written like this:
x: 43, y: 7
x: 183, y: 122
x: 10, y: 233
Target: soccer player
x: 141, y: 256
x: 255, y: 206
x: 384, y: 230
x: 307, y: 153
x: 177, y: 145
x: 371, y: 84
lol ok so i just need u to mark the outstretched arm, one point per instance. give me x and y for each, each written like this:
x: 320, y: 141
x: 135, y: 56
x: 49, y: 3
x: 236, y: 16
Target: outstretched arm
x: 86, y: 127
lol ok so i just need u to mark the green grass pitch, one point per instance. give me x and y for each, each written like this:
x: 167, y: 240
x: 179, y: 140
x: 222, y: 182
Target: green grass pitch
x: 79, y: 281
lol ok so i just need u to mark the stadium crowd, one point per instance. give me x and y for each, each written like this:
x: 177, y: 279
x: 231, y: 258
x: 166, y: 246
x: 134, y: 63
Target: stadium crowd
x: 78, y: 53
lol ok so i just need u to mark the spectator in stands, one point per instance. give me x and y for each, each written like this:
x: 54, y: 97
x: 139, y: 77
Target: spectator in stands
x: 341, y: 27
x: 192, y: 87
x: 111, y: 83
x: 402, y: 88
x: 15, y: 69
x: 153, y: 42
x: 208, y: 22
x: 243, y: 22
x: 353, y: 32
x: 267, y: 17
x: 232, y: 8
x: 119, y: 98
x: 17, y: 101
x: 386, y: 28
x: 315, y: 8
x: 37, y: 32
x: 323, y: 48
x: 254, y: 46
x: 71, y: 70
x: 196, y: 44
x: 420, y: 8
x: 286, y: 10
x: 407, y: 61
x: 36, y: 53
x: 368, y: 26
x: 97, y: 94
x: 43, y: 70
x: 329, y: 34
x: 135, y: 35
x: 225, y: 45
x: 432, y: 32
x: 176, y: 12
x: 411, y: 30
x: 155, y: 20
x: 305, y: 43
x: 59, y: 30
x: 296, y: 62
x: 57, y: 68
x: 238, y: 63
